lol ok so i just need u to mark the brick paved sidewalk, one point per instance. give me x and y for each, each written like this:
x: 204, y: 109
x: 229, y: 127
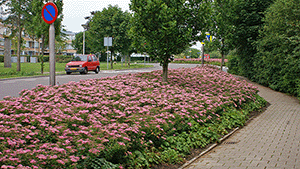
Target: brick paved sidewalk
x: 271, y: 140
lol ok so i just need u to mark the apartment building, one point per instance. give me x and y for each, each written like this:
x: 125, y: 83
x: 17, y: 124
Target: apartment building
x: 69, y: 50
x: 2, y: 32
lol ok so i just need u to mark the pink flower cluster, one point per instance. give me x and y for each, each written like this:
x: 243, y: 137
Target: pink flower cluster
x: 199, y: 60
x: 55, y: 125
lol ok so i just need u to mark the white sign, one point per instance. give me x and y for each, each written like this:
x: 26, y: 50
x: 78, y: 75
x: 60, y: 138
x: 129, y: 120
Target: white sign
x: 107, y: 41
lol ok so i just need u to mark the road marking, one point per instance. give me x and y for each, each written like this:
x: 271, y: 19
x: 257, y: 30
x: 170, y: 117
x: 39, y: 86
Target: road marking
x: 9, y: 82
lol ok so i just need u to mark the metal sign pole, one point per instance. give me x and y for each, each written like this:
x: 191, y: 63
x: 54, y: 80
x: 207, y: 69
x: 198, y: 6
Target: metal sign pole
x: 107, y: 42
x: 52, y: 53
x: 49, y: 15
x: 107, y: 57
x: 202, y: 55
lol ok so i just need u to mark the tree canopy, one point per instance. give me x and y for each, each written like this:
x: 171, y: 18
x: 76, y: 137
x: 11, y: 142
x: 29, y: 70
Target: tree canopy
x: 168, y: 26
x: 221, y: 27
x: 110, y: 22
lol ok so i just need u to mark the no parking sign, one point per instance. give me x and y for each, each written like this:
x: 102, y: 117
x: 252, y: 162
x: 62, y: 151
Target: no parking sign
x: 49, y: 12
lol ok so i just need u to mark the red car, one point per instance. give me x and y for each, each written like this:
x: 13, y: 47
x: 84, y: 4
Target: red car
x: 83, y: 64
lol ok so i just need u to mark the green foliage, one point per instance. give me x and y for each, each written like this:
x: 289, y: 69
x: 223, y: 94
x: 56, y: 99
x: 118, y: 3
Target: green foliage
x: 277, y: 62
x: 110, y: 22
x: 168, y: 27
x: 221, y: 27
x: 63, y: 58
x: 15, y: 9
x: 77, y: 43
x: 193, y: 53
x: 298, y: 89
x: 247, y: 19
x: 215, y: 54
x: 196, y: 135
x: 233, y: 63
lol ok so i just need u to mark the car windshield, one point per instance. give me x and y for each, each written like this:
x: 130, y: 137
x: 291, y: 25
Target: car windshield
x: 80, y: 58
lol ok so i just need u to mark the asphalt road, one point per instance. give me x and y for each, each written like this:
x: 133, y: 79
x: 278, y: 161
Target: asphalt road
x: 12, y: 87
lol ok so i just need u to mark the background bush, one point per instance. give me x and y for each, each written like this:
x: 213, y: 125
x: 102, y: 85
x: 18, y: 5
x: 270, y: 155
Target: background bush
x: 277, y: 63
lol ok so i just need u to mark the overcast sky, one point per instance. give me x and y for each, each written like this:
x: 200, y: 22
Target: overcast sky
x: 75, y: 10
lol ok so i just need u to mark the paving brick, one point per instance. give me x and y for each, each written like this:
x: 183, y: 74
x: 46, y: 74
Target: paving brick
x: 271, y: 140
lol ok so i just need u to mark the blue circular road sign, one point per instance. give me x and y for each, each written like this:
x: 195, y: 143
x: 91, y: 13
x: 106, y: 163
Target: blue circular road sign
x: 49, y: 12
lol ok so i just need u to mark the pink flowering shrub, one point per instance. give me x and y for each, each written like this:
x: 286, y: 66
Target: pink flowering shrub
x: 112, y: 118
x: 198, y: 60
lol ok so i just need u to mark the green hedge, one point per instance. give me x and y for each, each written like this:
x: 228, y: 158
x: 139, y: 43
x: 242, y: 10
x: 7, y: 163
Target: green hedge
x: 68, y: 58
x: 277, y: 63
x: 58, y: 58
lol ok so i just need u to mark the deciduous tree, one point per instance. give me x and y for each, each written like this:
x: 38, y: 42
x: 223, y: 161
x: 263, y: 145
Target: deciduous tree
x: 38, y: 29
x: 110, y: 22
x: 15, y: 10
x: 169, y: 26
x: 221, y: 27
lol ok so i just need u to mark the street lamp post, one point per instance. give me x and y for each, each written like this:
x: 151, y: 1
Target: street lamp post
x: 85, y: 27
x: 83, y: 45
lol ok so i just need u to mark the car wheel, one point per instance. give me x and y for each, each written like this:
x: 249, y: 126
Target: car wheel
x: 97, y: 70
x: 68, y: 73
x: 85, y: 70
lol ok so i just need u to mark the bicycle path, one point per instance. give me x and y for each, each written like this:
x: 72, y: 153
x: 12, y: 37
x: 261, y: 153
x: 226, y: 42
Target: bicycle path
x: 271, y: 140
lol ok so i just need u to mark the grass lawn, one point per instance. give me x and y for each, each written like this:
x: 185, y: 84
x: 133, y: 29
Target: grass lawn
x: 34, y: 69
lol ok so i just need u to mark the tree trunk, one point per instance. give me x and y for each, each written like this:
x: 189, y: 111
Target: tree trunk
x: 111, y: 60
x: 222, y: 62
x: 128, y: 60
x: 7, y: 52
x: 222, y: 53
x: 165, y: 72
x: 39, y: 47
x: 42, y: 55
x: 19, y: 45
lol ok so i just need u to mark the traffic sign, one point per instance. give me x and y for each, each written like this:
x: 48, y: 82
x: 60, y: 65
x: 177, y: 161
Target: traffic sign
x: 208, y: 37
x: 107, y: 41
x: 49, y: 12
